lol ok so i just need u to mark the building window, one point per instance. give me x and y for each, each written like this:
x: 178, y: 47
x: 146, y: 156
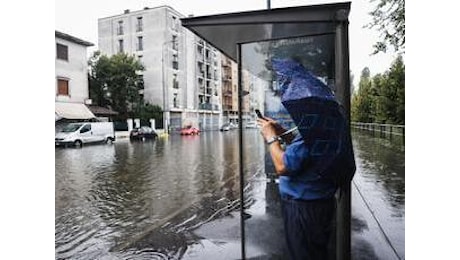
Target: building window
x: 62, y: 52
x: 120, y: 45
x: 175, y: 43
x: 199, y: 49
x: 140, y: 45
x: 175, y: 62
x: 120, y: 28
x: 63, y: 87
x: 139, y: 25
x: 174, y: 23
x: 175, y: 100
x: 175, y: 82
x: 200, y: 69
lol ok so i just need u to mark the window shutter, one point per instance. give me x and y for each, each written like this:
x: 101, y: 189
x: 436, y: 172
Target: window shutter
x: 63, y: 87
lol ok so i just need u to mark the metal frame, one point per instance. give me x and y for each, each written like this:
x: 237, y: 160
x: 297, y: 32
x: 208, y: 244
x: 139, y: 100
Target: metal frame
x: 342, y: 75
x: 241, y: 152
x: 321, y: 14
x: 330, y: 14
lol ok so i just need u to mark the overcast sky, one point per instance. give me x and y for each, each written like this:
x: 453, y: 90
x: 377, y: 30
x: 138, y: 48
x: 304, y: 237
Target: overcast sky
x: 79, y: 18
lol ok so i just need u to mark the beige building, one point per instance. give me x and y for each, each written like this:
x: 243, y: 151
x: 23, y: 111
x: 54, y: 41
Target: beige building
x: 71, y: 69
x: 230, y: 92
x: 71, y: 74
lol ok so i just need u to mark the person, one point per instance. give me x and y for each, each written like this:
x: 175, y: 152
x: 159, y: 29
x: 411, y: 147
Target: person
x: 307, y: 201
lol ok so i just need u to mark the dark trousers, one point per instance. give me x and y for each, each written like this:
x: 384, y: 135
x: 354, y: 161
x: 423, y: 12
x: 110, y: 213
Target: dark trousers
x: 308, y: 226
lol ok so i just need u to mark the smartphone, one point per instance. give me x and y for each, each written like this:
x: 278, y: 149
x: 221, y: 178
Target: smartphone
x: 259, y: 115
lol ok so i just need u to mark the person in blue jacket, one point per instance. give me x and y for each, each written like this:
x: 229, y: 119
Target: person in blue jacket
x: 307, y: 201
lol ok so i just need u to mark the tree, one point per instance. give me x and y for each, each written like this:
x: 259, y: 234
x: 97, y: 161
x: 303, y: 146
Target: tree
x: 97, y: 75
x: 115, y: 82
x: 396, y: 78
x: 363, y: 101
x: 388, y: 18
x: 380, y: 99
x: 384, y: 100
x: 147, y: 111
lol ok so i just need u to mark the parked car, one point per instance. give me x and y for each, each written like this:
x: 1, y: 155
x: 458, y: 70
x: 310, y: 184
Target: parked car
x: 85, y: 132
x: 225, y: 127
x: 228, y: 126
x: 189, y: 131
x: 142, y: 133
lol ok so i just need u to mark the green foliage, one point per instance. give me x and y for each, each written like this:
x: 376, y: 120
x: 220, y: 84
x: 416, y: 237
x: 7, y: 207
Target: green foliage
x: 380, y: 99
x: 397, y: 78
x: 388, y: 18
x: 147, y: 111
x: 362, y: 100
x: 115, y: 82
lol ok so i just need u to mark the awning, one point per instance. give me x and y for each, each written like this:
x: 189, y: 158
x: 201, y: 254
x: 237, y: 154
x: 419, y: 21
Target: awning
x: 72, y: 111
x: 102, y: 111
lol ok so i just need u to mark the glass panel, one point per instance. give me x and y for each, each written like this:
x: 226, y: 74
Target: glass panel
x: 261, y: 90
x: 225, y: 36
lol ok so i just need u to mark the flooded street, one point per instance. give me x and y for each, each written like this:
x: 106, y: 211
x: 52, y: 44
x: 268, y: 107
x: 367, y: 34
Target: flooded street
x: 178, y: 198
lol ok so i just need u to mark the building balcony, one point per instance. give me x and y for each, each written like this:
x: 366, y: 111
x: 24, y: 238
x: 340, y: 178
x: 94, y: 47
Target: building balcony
x: 205, y: 106
x: 226, y: 78
x: 227, y: 107
x: 175, y: 84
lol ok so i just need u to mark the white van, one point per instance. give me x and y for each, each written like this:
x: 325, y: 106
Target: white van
x: 85, y: 132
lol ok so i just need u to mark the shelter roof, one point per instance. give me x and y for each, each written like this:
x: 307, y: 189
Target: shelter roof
x: 225, y: 31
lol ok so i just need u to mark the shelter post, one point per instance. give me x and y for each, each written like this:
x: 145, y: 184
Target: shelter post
x: 240, y: 135
x: 342, y: 75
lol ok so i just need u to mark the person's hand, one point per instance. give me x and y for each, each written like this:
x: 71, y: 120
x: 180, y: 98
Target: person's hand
x: 278, y: 128
x: 269, y: 127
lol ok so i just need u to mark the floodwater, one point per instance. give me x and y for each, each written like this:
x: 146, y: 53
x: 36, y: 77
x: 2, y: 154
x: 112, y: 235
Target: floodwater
x: 178, y: 198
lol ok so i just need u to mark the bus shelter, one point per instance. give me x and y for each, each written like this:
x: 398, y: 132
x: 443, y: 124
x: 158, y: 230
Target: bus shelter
x: 314, y: 36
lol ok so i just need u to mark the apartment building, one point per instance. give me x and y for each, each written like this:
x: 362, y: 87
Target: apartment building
x: 230, y: 92
x: 252, y: 87
x: 71, y: 69
x: 181, y: 70
x: 71, y: 74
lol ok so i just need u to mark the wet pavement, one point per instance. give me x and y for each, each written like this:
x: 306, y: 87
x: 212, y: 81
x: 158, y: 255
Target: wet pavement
x: 378, y: 198
x: 178, y: 198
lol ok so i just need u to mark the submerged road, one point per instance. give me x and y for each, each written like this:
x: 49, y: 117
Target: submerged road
x: 178, y: 198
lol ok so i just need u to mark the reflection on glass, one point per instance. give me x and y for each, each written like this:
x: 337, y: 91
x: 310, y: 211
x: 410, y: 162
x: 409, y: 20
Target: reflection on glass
x: 315, y: 53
